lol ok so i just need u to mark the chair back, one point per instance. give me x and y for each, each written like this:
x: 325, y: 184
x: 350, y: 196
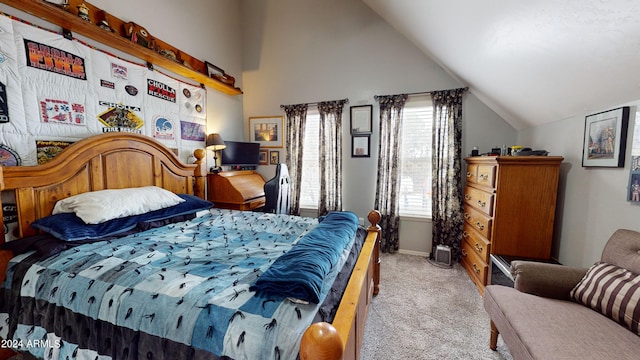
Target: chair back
x: 277, y: 191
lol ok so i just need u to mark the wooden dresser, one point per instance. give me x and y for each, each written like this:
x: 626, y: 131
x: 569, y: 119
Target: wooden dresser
x: 509, y: 209
x: 238, y: 190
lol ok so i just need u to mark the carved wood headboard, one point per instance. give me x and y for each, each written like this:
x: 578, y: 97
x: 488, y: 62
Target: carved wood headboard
x: 106, y: 161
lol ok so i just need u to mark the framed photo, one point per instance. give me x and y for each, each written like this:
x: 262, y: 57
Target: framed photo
x: 605, y: 138
x: 268, y: 131
x: 361, y: 119
x: 213, y: 70
x: 360, y: 146
x: 274, y: 157
x: 264, y: 157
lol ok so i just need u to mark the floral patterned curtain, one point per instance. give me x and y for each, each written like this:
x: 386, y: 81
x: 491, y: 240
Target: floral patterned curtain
x: 446, y: 169
x: 330, y: 156
x: 296, y: 116
x: 388, y: 184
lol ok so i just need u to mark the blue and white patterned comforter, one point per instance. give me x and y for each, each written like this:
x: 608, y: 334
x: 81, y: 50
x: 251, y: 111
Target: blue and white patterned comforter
x: 177, y: 292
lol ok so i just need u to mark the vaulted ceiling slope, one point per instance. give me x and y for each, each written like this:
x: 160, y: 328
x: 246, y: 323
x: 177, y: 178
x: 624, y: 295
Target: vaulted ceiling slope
x: 532, y: 62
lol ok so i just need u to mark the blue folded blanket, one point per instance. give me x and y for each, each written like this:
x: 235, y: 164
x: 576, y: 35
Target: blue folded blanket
x: 300, y: 273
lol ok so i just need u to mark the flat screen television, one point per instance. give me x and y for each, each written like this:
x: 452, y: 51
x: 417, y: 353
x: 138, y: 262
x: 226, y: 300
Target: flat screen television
x: 238, y: 153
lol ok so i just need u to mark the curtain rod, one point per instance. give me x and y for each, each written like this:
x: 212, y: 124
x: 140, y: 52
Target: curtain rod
x: 346, y: 101
x: 422, y: 92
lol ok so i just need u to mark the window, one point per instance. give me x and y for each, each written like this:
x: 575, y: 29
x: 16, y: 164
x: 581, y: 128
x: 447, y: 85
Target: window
x: 310, y: 183
x: 415, y: 158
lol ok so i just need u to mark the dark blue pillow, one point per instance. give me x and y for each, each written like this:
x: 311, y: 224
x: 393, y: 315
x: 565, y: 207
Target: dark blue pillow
x: 69, y: 227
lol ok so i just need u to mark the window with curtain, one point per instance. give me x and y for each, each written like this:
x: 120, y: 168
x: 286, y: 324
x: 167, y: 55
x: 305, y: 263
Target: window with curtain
x: 310, y: 183
x: 415, y: 157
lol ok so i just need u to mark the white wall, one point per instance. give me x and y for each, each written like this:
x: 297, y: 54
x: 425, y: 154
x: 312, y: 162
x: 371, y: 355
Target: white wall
x: 591, y: 201
x: 299, y: 51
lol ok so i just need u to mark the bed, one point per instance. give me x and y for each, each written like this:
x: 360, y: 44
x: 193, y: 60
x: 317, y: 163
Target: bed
x: 123, y: 161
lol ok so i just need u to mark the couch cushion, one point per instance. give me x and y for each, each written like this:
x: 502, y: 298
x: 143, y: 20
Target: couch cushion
x: 612, y: 291
x: 534, y: 327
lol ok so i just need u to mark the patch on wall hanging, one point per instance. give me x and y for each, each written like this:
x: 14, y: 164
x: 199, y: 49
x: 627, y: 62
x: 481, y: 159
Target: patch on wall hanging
x: 163, y: 128
x: 47, y: 150
x: 61, y: 112
x: 8, y: 157
x: 107, y: 84
x: 162, y: 91
x: 119, y: 72
x: 192, y: 131
x: 131, y: 90
x: 4, y: 105
x: 44, y: 57
x: 120, y: 118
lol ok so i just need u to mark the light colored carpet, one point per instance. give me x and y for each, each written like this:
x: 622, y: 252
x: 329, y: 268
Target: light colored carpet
x: 427, y: 312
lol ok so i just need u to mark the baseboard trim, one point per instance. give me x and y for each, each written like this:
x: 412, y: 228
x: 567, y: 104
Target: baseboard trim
x: 412, y: 252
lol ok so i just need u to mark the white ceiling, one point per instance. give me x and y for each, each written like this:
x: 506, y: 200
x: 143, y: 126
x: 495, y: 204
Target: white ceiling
x: 532, y: 62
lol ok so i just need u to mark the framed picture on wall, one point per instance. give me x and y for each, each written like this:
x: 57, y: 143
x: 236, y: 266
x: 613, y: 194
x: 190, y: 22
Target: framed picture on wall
x: 605, y: 138
x: 264, y: 157
x: 360, y: 146
x: 361, y: 119
x: 268, y: 131
x: 212, y: 70
x: 274, y: 157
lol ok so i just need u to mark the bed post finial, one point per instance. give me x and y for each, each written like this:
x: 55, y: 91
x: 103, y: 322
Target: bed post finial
x: 321, y: 341
x: 374, y: 218
x: 200, y: 173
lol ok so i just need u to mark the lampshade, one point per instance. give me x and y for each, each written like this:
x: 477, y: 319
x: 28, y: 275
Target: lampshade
x: 215, y: 142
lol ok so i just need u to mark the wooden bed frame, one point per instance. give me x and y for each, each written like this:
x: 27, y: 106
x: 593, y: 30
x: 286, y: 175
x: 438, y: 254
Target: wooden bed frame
x: 122, y: 160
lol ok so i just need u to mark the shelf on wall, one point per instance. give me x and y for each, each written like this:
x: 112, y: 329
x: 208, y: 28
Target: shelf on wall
x: 73, y: 23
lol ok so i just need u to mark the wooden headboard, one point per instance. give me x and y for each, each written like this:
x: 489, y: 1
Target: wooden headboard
x: 105, y: 161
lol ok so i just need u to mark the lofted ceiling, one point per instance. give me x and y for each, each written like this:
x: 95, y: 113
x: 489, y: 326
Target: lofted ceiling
x: 532, y: 62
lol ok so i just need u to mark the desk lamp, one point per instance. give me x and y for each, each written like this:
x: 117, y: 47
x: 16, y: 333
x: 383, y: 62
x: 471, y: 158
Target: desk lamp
x: 215, y: 143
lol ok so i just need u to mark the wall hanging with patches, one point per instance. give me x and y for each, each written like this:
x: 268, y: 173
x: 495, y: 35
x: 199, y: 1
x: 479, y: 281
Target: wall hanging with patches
x: 4, y: 107
x: 64, y: 82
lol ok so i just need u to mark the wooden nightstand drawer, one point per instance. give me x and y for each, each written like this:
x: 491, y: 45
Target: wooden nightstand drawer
x: 478, y: 220
x: 476, y: 268
x: 476, y: 242
x: 479, y: 199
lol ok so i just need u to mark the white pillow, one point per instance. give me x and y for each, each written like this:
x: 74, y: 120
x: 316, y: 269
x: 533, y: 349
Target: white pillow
x: 95, y: 207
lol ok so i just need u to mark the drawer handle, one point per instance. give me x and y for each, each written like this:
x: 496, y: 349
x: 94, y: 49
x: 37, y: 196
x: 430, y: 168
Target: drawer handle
x: 475, y: 268
x: 483, y: 177
x: 465, y: 234
x: 467, y: 216
x: 478, y: 247
x: 479, y: 225
x: 464, y: 253
x: 469, y: 174
x: 482, y: 203
x: 467, y: 197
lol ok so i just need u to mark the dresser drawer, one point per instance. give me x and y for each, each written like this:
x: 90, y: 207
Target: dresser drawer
x: 476, y: 242
x: 479, y: 199
x: 478, y: 220
x: 472, y: 173
x: 476, y: 268
x: 486, y: 175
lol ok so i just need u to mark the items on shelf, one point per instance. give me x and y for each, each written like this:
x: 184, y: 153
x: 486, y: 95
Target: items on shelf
x: 187, y: 65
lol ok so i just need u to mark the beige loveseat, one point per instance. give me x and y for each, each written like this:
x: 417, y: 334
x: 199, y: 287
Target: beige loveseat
x: 545, y: 317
